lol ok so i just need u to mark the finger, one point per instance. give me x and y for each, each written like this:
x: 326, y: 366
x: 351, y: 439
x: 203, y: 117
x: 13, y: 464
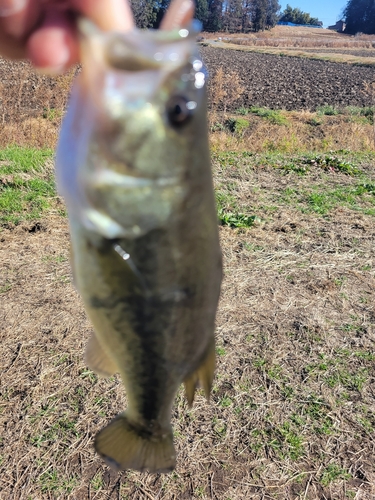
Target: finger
x: 9, y: 7
x: 179, y: 14
x: 18, y: 17
x: 108, y: 15
x: 52, y: 48
x: 10, y: 48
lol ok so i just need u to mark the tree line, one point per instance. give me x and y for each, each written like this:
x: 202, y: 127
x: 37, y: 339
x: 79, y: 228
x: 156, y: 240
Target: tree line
x: 297, y: 16
x: 360, y: 17
x: 225, y: 15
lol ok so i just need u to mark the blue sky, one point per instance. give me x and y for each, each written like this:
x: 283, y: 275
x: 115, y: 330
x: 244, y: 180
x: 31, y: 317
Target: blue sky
x: 327, y: 11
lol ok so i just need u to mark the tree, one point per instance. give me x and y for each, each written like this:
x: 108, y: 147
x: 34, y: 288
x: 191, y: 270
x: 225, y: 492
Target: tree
x: 247, y: 12
x: 260, y: 8
x: 201, y: 11
x: 145, y: 12
x: 232, y: 16
x: 360, y: 16
x: 297, y: 16
x: 215, y: 15
x: 273, y: 10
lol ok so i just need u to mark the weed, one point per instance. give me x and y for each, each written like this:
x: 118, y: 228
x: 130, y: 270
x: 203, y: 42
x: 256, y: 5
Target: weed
x: 352, y: 381
x: 239, y: 220
x: 5, y: 288
x: 237, y: 125
x: 297, y: 168
x: 225, y: 402
x: 293, y: 442
x: 314, y: 121
x: 52, y: 481
x: 243, y: 111
x: 333, y: 472
x: 259, y: 362
x: 327, y: 110
x: 52, y: 114
x: 97, y: 481
x: 220, y: 351
x: 366, y: 112
x: 365, y: 355
x: 217, y: 126
x: 89, y: 375
x: 58, y: 259
x: 333, y: 164
x: 274, y: 116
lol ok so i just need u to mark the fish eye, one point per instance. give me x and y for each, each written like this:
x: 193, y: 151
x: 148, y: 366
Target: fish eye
x: 179, y: 110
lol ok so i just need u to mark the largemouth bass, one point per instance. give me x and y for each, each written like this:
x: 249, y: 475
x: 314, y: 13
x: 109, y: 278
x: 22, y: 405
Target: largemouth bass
x: 133, y: 166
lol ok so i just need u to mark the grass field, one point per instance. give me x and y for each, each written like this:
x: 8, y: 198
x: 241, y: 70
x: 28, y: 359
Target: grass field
x: 292, y: 413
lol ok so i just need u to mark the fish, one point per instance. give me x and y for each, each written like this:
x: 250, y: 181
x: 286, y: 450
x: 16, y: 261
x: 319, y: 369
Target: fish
x: 133, y: 165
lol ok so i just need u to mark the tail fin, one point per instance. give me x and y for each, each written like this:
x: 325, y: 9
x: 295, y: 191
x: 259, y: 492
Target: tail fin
x: 123, y: 446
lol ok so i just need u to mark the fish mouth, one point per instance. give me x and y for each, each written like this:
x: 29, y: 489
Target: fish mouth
x: 138, y: 50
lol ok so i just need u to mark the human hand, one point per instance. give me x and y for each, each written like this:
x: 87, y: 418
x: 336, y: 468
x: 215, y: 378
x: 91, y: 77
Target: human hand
x: 44, y: 31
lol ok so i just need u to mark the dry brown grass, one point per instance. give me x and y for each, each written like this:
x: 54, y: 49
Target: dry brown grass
x: 32, y: 105
x: 303, y: 131
x: 316, y: 54
x: 292, y: 413
x: 306, y: 42
x: 294, y: 34
x: 226, y: 88
x: 310, y: 43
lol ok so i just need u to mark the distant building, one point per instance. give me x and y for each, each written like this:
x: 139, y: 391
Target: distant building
x: 339, y: 26
x: 285, y: 23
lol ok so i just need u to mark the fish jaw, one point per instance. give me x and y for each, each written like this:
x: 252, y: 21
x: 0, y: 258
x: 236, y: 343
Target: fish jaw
x: 113, y: 161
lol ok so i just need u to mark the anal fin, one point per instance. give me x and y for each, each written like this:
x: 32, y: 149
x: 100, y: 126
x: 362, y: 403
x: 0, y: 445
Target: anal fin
x: 125, y: 446
x: 204, y: 374
x: 98, y: 360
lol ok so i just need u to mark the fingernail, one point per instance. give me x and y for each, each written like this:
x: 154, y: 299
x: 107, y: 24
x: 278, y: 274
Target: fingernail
x: 50, y: 70
x: 10, y: 7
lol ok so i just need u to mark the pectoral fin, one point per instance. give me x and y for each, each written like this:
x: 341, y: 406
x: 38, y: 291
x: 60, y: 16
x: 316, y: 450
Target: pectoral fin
x: 98, y: 360
x: 204, y: 374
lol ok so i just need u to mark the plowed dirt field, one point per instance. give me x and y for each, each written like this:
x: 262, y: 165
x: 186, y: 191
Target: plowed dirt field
x: 292, y: 82
x: 269, y: 80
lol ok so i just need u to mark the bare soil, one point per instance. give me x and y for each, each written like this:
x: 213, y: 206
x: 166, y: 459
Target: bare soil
x: 291, y: 83
x: 277, y: 82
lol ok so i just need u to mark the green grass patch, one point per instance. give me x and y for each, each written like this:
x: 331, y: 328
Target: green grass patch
x: 322, y: 201
x: 367, y: 112
x: 236, y: 219
x: 52, y: 481
x: 27, y: 187
x: 272, y: 115
x: 327, y: 110
x: 333, y: 472
x: 15, y: 159
x: 237, y: 125
x: 275, y: 116
x: 328, y: 163
x: 326, y: 192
